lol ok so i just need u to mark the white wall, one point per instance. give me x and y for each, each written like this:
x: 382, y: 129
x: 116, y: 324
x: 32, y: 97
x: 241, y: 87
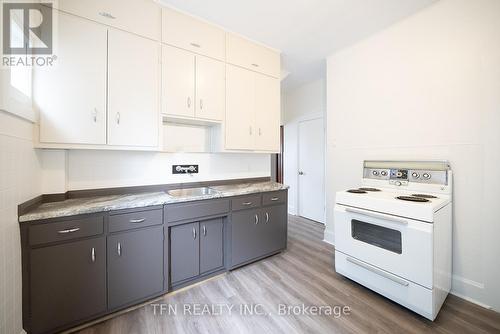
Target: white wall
x: 302, y: 103
x: 102, y: 169
x: 20, y: 176
x: 428, y: 87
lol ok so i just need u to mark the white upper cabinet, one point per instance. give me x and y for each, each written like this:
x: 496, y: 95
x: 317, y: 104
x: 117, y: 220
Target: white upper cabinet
x: 71, y: 96
x: 240, y: 109
x: 193, y: 85
x: 242, y: 52
x: 192, y: 34
x: 267, y: 113
x: 142, y: 17
x: 210, y: 88
x: 178, y: 78
x: 133, y: 89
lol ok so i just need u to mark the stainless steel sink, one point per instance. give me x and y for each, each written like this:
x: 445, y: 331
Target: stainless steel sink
x: 230, y: 187
x: 187, y: 192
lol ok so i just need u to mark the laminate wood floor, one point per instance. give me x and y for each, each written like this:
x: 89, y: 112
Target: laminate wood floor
x: 304, y: 274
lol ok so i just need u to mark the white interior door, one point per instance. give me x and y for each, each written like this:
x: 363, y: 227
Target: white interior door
x: 311, y: 190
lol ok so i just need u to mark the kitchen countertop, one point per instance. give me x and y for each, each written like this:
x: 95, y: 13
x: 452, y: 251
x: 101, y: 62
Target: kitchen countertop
x: 77, y: 206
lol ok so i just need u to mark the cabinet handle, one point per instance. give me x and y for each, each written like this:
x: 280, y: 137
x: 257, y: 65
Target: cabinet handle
x: 107, y: 15
x: 256, y: 219
x: 118, y: 118
x: 274, y: 199
x: 267, y: 217
x: 255, y: 65
x: 136, y: 221
x: 119, y: 249
x: 194, y: 233
x: 250, y: 130
x: 189, y: 102
x: 94, y: 115
x: 247, y: 203
x: 260, y: 132
x: 204, y: 231
x: 201, y: 104
x: 92, y: 254
x: 196, y: 45
x: 70, y: 230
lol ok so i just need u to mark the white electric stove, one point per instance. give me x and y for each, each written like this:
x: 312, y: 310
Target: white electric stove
x: 393, y: 233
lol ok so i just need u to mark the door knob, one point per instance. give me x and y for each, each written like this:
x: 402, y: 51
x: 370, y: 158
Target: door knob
x: 301, y: 173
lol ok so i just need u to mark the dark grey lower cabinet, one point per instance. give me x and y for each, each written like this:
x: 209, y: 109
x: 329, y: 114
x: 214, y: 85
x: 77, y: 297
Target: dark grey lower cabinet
x: 68, y: 283
x: 211, y: 245
x: 255, y: 233
x: 196, y: 249
x: 184, y: 252
x: 135, y: 265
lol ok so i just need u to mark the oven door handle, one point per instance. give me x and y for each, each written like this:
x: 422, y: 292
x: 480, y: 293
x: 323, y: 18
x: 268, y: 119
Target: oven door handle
x: 377, y: 271
x: 377, y: 215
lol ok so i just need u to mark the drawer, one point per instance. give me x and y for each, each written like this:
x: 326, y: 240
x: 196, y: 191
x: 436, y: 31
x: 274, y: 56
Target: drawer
x: 192, y: 34
x: 245, y: 202
x: 178, y: 212
x: 277, y: 197
x: 244, y: 53
x: 116, y: 14
x: 65, y: 230
x: 128, y: 221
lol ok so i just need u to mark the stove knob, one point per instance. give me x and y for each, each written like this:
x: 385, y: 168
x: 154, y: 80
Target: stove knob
x: 375, y: 172
x: 383, y: 173
x: 398, y: 183
x: 426, y: 176
x: 399, y: 174
x: 415, y: 175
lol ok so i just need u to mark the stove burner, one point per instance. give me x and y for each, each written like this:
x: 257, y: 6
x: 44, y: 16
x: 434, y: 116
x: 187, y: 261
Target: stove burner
x: 369, y: 189
x: 413, y: 199
x: 356, y: 191
x: 424, y: 196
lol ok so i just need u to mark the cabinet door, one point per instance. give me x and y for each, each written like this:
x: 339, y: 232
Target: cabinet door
x: 178, y: 82
x: 247, y: 241
x: 71, y: 96
x: 240, y: 109
x: 184, y: 252
x: 274, y: 220
x: 67, y: 283
x: 192, y: 34
x: 267, y: 113
x: 210, y: 88
x: 211, y: 245
x: 135, y: 265
x: 133, y: 90
x: 116, y: 14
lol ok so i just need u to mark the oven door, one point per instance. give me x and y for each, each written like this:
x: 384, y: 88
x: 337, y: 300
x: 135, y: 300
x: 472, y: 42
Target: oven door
x: 398, y: 245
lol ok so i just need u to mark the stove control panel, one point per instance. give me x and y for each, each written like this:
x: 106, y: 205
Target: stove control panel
x: 401, y: 177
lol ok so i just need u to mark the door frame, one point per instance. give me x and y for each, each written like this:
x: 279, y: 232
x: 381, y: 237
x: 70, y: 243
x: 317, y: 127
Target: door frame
x: 306, y: 118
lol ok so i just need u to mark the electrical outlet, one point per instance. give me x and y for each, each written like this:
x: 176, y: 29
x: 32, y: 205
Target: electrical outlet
x: 184, y: 169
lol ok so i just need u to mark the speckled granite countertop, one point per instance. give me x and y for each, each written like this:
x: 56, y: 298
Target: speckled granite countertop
x: 77, y: 206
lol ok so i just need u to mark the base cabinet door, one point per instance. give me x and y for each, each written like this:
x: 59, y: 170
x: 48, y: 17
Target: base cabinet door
x: 184, y: 252
x: 246, y: 237
x: 135, y: 265
x: 274, y: 222
x: 67, y: 283
x: 211, y: 245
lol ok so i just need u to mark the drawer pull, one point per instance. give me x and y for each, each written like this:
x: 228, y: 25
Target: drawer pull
x: 267, y: 217
x: 107, y: 15
x: 247, y: 203
x: 196, y: 45
x: 137, y: 221
x: 274, y: 199
x: 70, y: 230
x: 204, y: 231
x: 92, y: 254
x: 378, y: 271
x: 256, y: 219
x: 119, y: 249
x: 255, y: 65
x: 194, y: 233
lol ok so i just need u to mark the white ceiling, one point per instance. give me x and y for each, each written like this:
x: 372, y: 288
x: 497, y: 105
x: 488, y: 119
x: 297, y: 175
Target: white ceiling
x: 306, y: 31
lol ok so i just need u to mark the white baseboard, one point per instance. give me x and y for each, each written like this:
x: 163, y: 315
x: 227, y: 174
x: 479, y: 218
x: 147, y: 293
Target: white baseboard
x: 472, y: 300
x: 329, y: 237
x: 292, y: 210
x: 469, y: 290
